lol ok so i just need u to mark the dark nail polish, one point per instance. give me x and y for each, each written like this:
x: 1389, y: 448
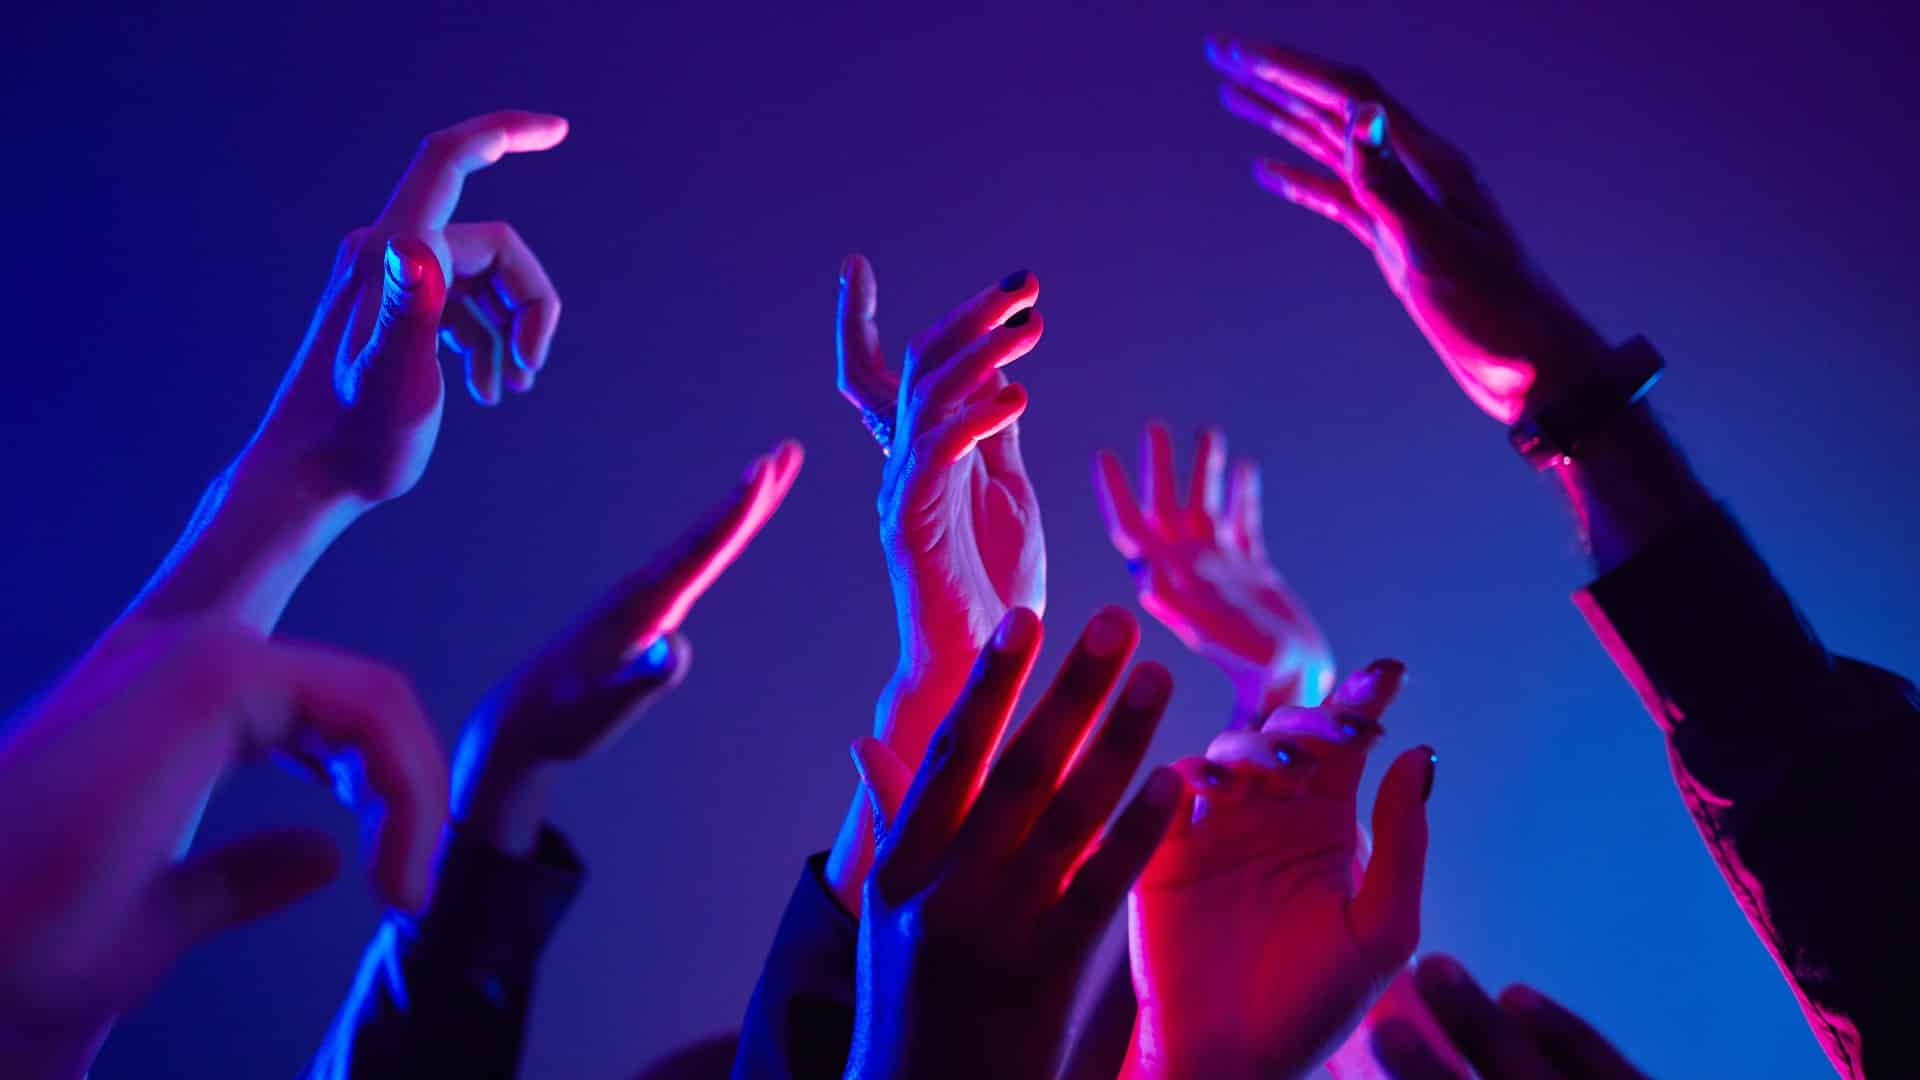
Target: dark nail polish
x: 1426, y: 789
x: 1290, y: 754
x: 1386, y: 667
x: 1354, y: 725
x: 1213, y: 773
x: 1013, y: 281
x: 1020, y: 318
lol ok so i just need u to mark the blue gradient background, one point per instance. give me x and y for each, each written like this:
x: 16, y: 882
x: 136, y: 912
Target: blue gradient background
x: 1733, y: 185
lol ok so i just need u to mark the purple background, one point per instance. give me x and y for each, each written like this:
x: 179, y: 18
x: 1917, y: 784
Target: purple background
x: 1729, y: 183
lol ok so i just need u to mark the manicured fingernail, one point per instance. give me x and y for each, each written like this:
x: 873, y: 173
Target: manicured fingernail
x: 657, y: 657
x: 1214, y: 774
x: 1387, y: 666
x: 1426, y: 788
x: 1162, y: 789
x: 1013, y: 281
x: 1149, y: 687
x: 1370, y: 125
x: 403, y: 268
x: 1020, y: 318
x: 1015, y: 633
x: 1106, y: 634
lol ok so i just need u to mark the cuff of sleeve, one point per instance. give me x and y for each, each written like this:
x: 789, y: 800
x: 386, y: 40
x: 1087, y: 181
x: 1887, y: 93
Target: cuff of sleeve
x: 814, y: 896
x: 496, y: 908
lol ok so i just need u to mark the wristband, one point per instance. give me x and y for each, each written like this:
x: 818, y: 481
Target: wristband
x: 1553, y: 435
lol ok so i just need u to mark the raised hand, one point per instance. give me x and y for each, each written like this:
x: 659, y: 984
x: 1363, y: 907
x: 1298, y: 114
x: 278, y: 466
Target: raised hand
x: 1258, y: 941
x: 102, y: 776
x: 958, y: 517
x: 1509, y: 338
x: 360, y: 408
x: 1524, y: 1036
x: 987, y: 897
x: 1201, y: 567
x: 589, y: 684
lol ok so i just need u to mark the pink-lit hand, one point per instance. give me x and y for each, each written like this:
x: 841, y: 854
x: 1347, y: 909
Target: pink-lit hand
x: 1509, y: 338
x: 1257, y: 946
x: 102, y: 776
x: 591, y: 683
x: 992, y: 886
x: 958, y: 518
x: 1201, y: 567
x: 358, y: 412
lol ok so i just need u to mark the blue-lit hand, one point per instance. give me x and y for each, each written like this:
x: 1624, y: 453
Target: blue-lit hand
x: 358, y: 412
x: 1202, y: 569
x: 589, y: 684
x: 958, y: 518
x: 99, y: 779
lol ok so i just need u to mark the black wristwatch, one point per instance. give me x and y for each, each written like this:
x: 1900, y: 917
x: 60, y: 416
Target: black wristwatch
x: 1552, y: 436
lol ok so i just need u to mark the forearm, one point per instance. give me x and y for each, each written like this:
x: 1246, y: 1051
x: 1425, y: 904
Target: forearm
x: 911, y: 706
x: 1629, y: 486
x: 253, y: 538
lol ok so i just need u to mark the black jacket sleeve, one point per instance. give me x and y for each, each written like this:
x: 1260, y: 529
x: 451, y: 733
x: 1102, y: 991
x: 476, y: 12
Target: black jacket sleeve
x: 1799, y: 769
x: 799, y: 1024
x: 447, y: 993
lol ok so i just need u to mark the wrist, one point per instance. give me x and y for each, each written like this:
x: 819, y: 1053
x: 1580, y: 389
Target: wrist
x: 916, y: 699
x: 1628, y: 486
x: 254, y: 535
x: 499, y: 795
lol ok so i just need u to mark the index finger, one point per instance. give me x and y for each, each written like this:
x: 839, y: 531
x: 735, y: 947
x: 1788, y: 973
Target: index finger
x: 429, y: 190
x: 656, y: 600
x: 355, y: 704
x: 944, y: 785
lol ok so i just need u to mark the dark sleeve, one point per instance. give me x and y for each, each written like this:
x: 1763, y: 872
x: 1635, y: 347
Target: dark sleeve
x: 800, y: 1022
x: 1798, y: 767
x: 446, y: 994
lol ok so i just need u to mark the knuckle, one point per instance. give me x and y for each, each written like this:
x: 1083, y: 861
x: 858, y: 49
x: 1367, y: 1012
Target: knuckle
x: 1019, y: 772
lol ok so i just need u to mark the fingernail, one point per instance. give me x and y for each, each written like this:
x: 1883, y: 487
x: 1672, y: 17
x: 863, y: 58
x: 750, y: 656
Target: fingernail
x: 853, y: 751
x: 1106, y: 634
x: 1011, y: 393
x: 403, y: 269
x: 1214, y: 774
x: 1162, y: 789
x: 1370, y: 125
x: 1426, y: 788
x: 846, y: 271
x: 1013, y: 281
x: 1016, y: 631
x: 656, y: 658
x: 1387, y: 666
x: 1020, y: 318
x: 1149, y: 687
x: 1447, y: 969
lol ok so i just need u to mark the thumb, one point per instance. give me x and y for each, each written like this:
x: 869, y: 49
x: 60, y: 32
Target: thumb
x: 412, y: 296
x: 1384, y: 186
x: 886, y: 777
x: 232, y: 885
x: 1385, y: 913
